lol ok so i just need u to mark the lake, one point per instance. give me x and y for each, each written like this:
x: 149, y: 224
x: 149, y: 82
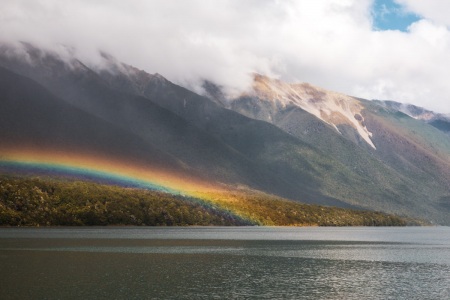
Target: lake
x: 225, y: 263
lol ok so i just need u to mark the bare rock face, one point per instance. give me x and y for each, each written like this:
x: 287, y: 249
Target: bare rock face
x: 333, y: 108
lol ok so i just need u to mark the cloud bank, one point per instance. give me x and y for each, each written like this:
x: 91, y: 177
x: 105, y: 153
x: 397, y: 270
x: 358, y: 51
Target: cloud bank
x: 329, y: 43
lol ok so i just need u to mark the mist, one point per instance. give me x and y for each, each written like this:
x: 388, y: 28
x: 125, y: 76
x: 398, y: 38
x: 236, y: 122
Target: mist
x: 329, y: 43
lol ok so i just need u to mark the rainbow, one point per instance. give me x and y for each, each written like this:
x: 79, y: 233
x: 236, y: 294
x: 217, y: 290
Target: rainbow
x: 117, y: 172
x: 99, y: 168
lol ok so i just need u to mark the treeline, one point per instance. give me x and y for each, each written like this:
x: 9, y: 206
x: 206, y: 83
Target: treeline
x: 26, y: 201
x: 47, y: 202
x: 269, y: 210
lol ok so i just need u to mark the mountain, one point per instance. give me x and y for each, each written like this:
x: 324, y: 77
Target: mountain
x: 151, y: 134
x: 401, y: 156
x: 291, y: 140
x: 440, y: 121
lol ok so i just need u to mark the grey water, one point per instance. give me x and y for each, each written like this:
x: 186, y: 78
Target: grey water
x: 225, y: 263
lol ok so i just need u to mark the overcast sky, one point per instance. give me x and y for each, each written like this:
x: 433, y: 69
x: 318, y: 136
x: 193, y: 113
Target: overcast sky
x: 384, y: 49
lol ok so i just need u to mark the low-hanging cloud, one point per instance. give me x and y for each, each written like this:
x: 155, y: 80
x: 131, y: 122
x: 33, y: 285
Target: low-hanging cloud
x: 330, y: 43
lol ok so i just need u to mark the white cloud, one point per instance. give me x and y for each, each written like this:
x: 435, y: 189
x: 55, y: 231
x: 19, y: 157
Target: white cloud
x: 329, y: 43
x: 435, y: 10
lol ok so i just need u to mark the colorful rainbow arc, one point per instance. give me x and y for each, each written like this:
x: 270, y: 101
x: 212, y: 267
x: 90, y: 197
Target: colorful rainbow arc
x: 83, y: 173
x: 110, y: 171
x: 97, y: 169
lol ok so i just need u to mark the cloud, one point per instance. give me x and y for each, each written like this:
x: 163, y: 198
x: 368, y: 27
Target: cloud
x: 434, y: 10
x: 330, y: 43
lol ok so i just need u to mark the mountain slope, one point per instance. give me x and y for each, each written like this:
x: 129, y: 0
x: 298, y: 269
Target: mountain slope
x: 30, y: 116
x: 357, y: 174
x: 233, y: 149
x: 440, y: 121
x: 414, y: 148
x: 409, y: 160
x: 194, y: 151
x: 293, y: 159
x: 294, y: 141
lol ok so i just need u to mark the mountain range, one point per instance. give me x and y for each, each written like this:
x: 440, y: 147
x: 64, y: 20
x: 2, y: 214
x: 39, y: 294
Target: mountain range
x: 295, y: 141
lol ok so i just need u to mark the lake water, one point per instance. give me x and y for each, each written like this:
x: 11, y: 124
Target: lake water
x: 225, y: 263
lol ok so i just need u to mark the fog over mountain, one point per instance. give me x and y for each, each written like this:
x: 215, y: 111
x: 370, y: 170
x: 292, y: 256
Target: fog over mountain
x: 330, y: 43
x: 269, y: 96
x: 296, y: 141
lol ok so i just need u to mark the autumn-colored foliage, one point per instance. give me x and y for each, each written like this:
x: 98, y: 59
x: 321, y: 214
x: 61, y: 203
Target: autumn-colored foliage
x: 37, y: 201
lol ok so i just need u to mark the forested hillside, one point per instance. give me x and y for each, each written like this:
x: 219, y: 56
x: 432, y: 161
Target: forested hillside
x: 35, y: 201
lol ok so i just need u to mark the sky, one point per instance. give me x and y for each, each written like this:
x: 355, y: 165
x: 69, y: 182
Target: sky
x: 374, y: 49
x: 390, y: 15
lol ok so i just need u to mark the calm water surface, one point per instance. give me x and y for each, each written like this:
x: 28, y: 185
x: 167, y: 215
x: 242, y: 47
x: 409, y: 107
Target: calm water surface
x: 225, y: 263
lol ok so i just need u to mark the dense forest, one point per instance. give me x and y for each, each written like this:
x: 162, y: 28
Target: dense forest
x: 269, y: 210
x: 43, y: 201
